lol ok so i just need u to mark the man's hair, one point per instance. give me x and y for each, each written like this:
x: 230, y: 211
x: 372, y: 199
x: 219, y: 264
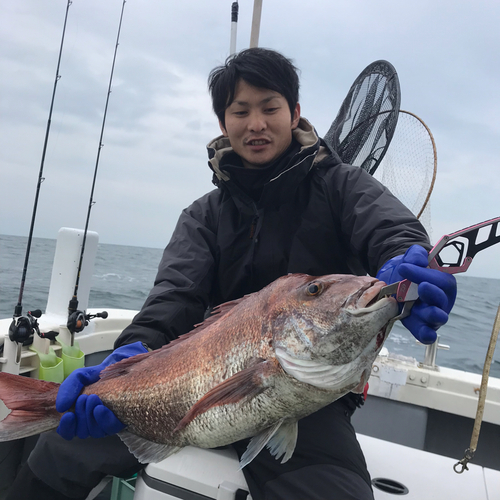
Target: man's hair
x: 262, y: 68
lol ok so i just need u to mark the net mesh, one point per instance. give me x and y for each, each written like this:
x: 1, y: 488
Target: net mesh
x: 366, y: 121
x: 410, y: 165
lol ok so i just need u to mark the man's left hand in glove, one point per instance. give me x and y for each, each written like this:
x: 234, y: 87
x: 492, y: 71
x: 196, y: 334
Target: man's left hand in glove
x: 437, y: 292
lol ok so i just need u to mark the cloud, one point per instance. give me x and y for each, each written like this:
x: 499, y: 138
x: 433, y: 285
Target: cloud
x: 153, y: 162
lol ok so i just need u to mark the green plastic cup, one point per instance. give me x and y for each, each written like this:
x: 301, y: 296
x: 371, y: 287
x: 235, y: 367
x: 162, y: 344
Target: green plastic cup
x: 51, y: 366
x: 73, y: 357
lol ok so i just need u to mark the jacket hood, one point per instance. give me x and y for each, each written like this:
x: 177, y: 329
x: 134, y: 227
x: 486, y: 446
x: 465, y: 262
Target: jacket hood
x: 304, y: 134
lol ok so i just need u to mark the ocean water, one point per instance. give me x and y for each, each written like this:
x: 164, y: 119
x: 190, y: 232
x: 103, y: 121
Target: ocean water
x: 123, y: 276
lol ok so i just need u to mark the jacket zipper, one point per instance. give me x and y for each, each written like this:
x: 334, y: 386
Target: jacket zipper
x: 253, y: 226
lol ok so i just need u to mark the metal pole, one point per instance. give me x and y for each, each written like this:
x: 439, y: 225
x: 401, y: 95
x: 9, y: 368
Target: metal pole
x: 257, y: 11
x: 234, y: 27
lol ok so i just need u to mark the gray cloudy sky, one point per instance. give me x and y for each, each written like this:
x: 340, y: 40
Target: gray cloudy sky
x: 153, y: 163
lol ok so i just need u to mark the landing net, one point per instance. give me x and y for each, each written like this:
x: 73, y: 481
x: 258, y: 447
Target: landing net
x: 366, y: 121
x: 409, y: 167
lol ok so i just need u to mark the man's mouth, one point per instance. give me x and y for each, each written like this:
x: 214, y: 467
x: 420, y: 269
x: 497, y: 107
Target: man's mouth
x: 257, y: 142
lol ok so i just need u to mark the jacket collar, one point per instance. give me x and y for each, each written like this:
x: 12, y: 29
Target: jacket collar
x: 220, y: 146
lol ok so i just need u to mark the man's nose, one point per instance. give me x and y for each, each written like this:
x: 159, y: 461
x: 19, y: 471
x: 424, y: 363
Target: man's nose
x: 256, y: 122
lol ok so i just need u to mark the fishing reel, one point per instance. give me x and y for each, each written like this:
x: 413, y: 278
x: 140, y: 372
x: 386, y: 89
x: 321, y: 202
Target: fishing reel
x: 78, y: 320
x: 23, y: 328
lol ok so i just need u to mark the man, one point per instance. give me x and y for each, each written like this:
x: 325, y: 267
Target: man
x: 283, y: 204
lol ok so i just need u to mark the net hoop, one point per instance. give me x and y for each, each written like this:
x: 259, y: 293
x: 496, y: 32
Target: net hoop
x: 434, y: 171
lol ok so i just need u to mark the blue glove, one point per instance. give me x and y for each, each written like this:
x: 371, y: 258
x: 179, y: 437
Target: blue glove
x: 437, y: 292
x: 90, y: 417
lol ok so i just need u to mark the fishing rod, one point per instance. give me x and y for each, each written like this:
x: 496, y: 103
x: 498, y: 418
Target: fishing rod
x: 23, y: 327
x: 77, y: 320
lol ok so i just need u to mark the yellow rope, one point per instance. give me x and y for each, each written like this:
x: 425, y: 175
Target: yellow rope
x: 469, y: 452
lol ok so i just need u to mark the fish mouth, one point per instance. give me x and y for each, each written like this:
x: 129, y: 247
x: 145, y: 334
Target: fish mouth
x: 369, y: 302
x: 366, y: 300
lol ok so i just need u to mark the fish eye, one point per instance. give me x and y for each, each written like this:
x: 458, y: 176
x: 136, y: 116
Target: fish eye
x: 314, y: 289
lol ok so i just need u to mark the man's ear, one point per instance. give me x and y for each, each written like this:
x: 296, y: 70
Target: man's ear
x: 223, y: 129
x: 296, y: 116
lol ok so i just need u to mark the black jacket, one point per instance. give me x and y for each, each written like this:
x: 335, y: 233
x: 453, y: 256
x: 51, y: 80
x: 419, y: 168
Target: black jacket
x: 316, y: 216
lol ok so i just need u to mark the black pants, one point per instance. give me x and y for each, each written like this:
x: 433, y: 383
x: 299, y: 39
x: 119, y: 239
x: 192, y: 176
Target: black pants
x: 60, y: 470
x: 327, y: 464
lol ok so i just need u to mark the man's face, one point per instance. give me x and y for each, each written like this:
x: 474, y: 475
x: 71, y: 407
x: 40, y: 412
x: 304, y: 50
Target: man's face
x: 259, y: 124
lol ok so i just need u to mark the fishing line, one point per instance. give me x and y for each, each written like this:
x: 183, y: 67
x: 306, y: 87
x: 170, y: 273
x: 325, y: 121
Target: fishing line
x: 22, y: 327
x: 77, y: 320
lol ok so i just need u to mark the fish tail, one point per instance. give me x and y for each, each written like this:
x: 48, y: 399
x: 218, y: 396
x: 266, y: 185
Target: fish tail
x: 31, y: 406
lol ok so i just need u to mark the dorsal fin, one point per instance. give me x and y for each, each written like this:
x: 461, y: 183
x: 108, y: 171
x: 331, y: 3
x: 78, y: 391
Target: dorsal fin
x: 217, y: 313
x: 123, y: 366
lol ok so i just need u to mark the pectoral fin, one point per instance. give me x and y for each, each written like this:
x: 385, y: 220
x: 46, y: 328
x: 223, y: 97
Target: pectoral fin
x: 280, y: 439
x: 245, y: 384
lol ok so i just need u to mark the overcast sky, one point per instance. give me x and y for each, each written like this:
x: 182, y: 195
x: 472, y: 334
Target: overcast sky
x: 153, y: 163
